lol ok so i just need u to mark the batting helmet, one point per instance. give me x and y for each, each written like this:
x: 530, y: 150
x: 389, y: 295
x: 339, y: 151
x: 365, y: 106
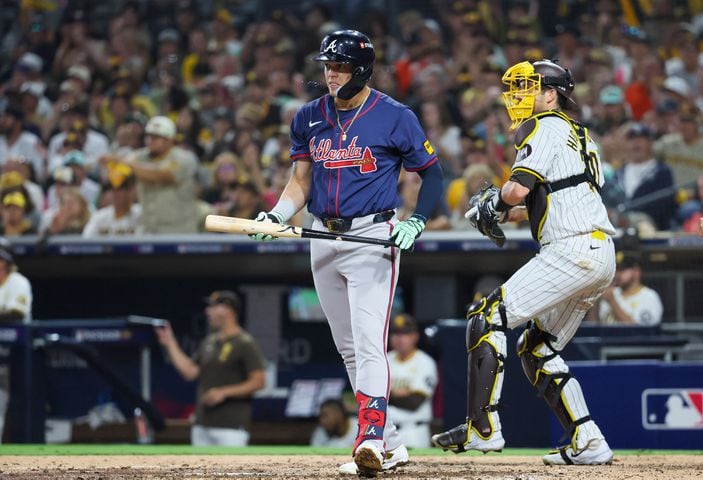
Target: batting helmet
x: 352, y: 47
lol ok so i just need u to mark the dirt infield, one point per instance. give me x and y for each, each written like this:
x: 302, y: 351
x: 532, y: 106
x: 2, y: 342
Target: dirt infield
x: 485, y: 467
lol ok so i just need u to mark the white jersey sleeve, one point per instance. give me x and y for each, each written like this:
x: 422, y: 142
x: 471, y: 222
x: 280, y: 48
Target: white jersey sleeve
x: 16, y: 295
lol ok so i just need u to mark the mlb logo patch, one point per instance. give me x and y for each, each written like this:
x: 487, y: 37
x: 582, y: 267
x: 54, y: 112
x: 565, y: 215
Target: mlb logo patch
x: 672, y: 409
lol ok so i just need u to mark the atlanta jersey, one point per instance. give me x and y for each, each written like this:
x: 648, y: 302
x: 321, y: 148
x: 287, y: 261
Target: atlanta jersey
x: 358, y: 176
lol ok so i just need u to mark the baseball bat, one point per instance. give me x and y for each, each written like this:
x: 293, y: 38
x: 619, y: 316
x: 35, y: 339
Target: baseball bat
x: 244, y: 226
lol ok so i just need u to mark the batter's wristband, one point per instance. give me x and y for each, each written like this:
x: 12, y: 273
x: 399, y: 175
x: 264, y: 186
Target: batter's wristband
x: 284, y: 209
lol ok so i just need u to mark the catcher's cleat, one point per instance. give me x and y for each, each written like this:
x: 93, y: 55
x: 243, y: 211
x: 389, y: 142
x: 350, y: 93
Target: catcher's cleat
x: 597, y: 452
x: 394, y: 458
x: 368, y: 459
x: 457, y: 440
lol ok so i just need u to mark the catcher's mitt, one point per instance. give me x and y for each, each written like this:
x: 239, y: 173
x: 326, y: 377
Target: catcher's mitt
x: 483, y: 215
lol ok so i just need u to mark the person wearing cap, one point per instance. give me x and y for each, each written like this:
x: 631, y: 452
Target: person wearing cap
x: 413, y: 381
x: 121, y: 214
x: 16, y: 207
x: 89, y: 188
x: 15, y: 307
x: 627, y: 301
x: 611, y: 112
x: 16, y: 141
x: 229, y: 368
x: 93, y: 143
x: 643, y: 175
x: 165, y: 181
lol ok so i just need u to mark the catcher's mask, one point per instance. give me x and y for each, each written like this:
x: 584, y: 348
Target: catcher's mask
x: 525, y: 80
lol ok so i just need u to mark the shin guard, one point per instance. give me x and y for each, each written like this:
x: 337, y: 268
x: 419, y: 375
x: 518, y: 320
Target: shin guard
x: 548, y: 373
x: 486, y: 345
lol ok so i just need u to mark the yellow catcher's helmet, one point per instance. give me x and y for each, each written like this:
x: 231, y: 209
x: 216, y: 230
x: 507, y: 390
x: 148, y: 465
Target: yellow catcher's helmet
x: 525, y: 80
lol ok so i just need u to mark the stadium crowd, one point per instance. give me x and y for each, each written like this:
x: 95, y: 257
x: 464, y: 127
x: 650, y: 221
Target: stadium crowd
x: 90, y: 91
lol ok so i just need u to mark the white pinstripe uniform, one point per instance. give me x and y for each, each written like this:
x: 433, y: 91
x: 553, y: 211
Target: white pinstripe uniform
x: 576, y: 262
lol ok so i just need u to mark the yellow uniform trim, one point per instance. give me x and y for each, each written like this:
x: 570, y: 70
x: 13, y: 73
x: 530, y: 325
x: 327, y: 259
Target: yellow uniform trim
x: 530, y: 171
x: 598, y: 235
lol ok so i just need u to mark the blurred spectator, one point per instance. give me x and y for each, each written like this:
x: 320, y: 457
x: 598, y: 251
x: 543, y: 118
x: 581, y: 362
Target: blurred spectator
x: 15, y: 307
x: 682, y: 150
x: 225, y: 175
x: 627, y: 301
x: 229, y: 369
x: 14, y: 175
x: 165, y: 181
x: 69, y: 216
x: 17, y: 142
x: 409, y: 186
x: 335, y: 428
x: 92, y: 143
x: 475, y: 177
x: 611, y: 111
x: 90, y: 189
x: 77, y: 47
x: 413, y: 381
x: 245, y: 201
x: 647, y: 182
x: 444, y: 136
x: 16, y: 207
x: 121, y: 215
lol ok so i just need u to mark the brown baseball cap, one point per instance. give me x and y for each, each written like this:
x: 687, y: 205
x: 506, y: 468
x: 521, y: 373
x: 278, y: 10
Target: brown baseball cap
x: 403, y: 323
x: 224, y: 297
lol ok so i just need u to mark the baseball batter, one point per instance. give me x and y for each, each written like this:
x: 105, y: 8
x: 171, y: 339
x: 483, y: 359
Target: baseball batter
x: 348, y: 147
x: 557, y: 174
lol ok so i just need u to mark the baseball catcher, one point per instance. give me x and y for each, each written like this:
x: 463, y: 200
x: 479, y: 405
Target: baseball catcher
x: 557, y: 175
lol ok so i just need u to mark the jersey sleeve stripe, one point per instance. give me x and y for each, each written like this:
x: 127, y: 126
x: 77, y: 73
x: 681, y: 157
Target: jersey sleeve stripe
x: 300, y: 156
x: 530, y: 171
x: 421, y: 168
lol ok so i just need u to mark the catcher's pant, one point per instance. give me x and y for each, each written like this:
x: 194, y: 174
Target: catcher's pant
x: 556, y: 288
x: 356, y: 284
x: 560, y: 284
x: 201, y: 436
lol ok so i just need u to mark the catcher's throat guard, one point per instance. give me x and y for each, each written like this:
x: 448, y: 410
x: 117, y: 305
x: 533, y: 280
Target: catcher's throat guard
x: 523, y: 84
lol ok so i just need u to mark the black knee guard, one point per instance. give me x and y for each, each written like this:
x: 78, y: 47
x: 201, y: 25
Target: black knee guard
x: 481, y: 319
x: 549, y: 384
x: 485, y: 342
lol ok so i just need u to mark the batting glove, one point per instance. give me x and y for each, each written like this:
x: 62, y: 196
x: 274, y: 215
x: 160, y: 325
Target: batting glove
x: 407, y: 231
x: 271, y: 217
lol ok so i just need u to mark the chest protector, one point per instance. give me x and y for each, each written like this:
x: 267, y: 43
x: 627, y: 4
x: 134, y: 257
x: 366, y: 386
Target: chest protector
x: 537, y: 201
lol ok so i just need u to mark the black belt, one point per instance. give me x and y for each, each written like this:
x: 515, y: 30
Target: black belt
x: 341, y: 225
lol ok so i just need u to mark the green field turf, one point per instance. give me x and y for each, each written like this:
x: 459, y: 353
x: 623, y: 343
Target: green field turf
x: 129, y: 449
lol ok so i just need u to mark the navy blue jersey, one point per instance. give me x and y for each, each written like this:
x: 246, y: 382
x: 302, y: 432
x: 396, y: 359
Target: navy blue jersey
x: 359, y: 176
